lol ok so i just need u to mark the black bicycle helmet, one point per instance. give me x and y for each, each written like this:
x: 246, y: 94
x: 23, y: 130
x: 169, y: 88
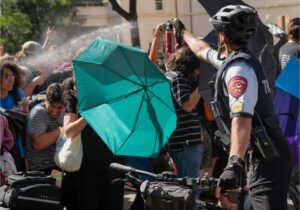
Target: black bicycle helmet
x: 238, y: 22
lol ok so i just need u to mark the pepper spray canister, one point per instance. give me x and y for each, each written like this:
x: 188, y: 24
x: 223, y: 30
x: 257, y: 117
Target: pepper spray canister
x: 169, y: 38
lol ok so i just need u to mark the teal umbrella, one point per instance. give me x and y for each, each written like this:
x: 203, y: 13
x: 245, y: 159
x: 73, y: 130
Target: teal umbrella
x: 125, y: 98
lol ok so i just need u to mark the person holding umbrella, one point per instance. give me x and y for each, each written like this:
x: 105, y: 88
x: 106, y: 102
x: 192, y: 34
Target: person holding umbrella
x: 90, y: 187
x: 244, y: 109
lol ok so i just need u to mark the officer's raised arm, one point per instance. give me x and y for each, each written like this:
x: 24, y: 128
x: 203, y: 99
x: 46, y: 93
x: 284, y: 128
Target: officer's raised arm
x: 198, y: 46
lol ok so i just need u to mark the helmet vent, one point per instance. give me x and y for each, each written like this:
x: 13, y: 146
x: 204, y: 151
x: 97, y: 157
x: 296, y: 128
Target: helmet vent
x: 227, y: 10
x: 225, y: 19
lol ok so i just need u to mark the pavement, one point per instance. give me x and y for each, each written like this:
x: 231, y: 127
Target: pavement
x: 128, y: 199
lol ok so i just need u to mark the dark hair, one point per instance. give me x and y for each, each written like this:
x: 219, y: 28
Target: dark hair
x: 185, y: 61
x: 68, y: 90
x: 294, y: 29
x: 54, y: 94
x: 16, y: 72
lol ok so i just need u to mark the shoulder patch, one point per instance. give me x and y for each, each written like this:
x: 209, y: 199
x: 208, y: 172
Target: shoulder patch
x: 237, y: 86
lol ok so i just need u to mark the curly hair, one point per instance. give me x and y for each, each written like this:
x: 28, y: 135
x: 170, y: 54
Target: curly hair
x: 16, y: 72
x: 184, y: 61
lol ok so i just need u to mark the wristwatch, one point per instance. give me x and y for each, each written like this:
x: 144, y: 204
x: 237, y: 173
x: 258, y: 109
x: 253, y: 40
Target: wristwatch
x: 235, y: 160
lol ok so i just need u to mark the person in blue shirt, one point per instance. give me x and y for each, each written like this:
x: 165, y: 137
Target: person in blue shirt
x: 11, y: 96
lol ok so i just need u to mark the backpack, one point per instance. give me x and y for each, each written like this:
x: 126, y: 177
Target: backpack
x: 30, y: 190
x: 37, y: 99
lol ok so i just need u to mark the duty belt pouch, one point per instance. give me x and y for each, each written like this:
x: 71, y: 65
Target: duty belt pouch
x: 264, y: 144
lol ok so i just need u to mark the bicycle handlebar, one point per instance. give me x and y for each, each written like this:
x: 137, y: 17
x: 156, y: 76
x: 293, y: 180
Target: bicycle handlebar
x: 128, y: 169
x: 181, y: 191
x: 166, y: 177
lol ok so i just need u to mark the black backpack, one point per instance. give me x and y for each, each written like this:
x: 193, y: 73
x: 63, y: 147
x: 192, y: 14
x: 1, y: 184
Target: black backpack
x: 17, y: 124
x: 37, y: 99
x: 32, y: 191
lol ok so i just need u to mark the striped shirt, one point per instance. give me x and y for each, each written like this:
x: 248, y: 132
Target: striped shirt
x: 40, y: 122
x: 188, y: 126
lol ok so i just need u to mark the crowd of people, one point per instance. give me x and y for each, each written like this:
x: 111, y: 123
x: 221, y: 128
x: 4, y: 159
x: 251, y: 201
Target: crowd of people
x: 44, y: 95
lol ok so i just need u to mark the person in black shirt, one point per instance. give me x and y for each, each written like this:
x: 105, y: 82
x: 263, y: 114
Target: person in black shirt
x: 89, y: 188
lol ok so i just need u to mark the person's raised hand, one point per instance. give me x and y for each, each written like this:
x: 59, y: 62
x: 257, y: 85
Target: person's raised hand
x: 179, y: 27
x: 24, y: 104
x: 159, y: 30
x: 50, y: 32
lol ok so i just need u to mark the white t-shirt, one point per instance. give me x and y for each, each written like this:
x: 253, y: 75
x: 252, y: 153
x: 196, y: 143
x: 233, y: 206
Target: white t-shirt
x: 241, y: 83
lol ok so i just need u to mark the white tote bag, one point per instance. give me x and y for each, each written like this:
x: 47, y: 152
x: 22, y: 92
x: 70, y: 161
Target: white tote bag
x: 68, y: 154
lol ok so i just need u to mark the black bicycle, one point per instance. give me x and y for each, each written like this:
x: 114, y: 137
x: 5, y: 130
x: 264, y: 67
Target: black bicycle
x: 166, y: 192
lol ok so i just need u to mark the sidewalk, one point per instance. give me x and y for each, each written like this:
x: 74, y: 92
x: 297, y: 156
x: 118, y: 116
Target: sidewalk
x: 128, y: 199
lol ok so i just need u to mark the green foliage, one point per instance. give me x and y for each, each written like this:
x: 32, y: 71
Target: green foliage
x: 15, y: 30
x: 34, y: 16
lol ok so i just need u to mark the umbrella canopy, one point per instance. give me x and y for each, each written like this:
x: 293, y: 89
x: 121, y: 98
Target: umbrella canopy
x: 287, y: 104
x: 125, y: 98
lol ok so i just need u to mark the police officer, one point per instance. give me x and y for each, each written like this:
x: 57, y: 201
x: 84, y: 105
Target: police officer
x: 243, y: 97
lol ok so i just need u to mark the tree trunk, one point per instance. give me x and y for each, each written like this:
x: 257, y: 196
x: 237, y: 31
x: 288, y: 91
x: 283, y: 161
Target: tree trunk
x: 131, y: 17
x: 135, y: 33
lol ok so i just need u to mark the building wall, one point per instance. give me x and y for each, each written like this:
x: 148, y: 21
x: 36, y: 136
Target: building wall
x: 190, y: 12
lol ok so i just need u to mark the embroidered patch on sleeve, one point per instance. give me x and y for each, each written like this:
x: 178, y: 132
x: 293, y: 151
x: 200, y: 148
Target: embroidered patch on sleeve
x: 237, y: 86
x: 236, y: 107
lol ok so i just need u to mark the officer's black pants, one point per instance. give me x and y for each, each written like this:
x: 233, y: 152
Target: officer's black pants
x: 269, y: 181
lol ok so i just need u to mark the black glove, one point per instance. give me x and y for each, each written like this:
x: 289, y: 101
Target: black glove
x: 179, y: 27
x: 231, y: 177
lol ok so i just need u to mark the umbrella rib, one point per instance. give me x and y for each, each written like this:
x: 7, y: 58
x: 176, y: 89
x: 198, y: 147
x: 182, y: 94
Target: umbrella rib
x: 156, y: 125
x: 131, y: 67
x: 122, y: 97
x: 117, y: 98
x: 126, y: 78
x: 145, y: 72
x: 157, y: 96
x: 134, y: 125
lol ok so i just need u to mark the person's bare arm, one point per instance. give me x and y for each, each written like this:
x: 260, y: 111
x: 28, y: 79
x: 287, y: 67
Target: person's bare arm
x: 41, y: 141
x: 159, y: 32
x: 48, y: 37
x: 72, y: 125
x: 37, y: 81
x: 198, y: 46
x: 240, y: 136
x: 190, y: 104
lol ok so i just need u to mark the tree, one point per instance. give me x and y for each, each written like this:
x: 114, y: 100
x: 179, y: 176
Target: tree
x: 15, y: 30
x: 25, y: 20
x: 131, y: 17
